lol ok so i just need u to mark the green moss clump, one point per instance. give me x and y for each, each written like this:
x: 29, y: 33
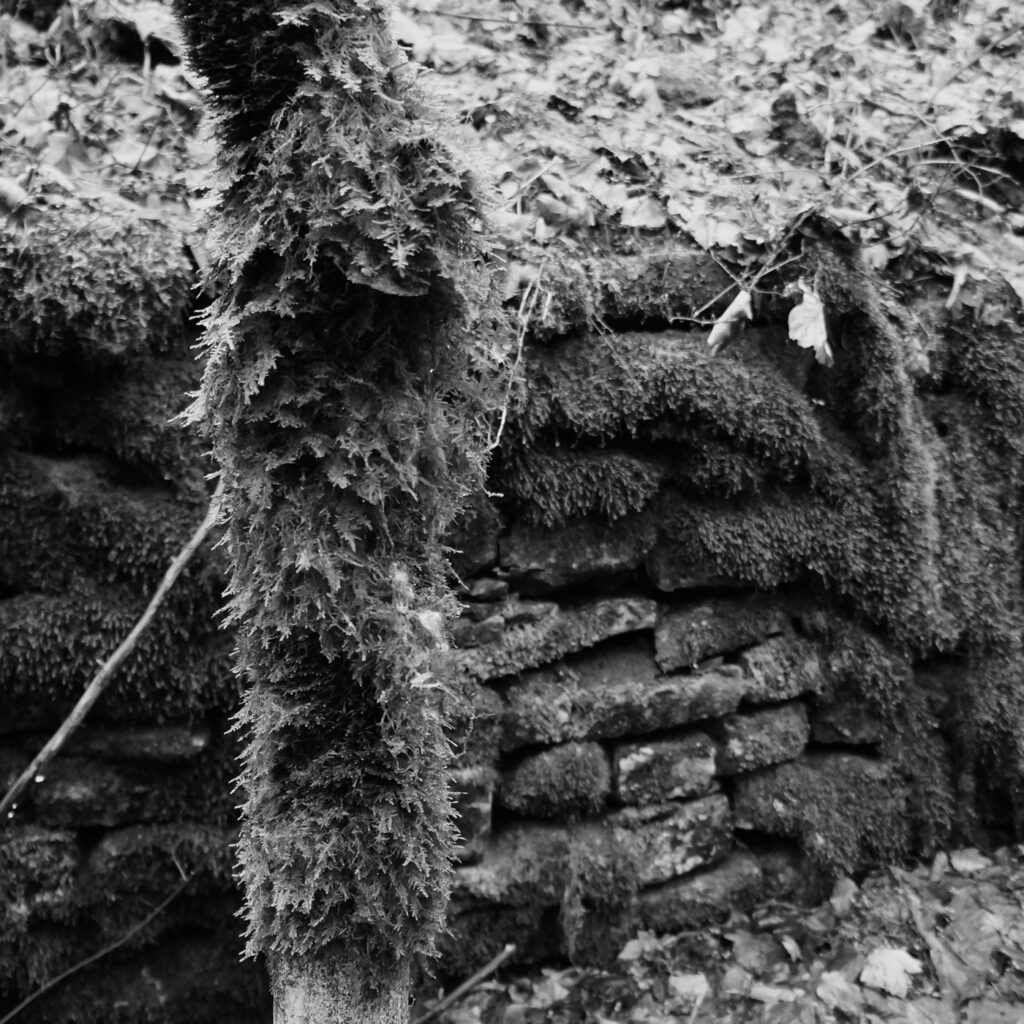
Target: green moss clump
x: 53, y: 645
x: 67, y: 518
x: 847, y: 812
x: 599, y: 905
x: 94, y: 287
x: 567, y: 780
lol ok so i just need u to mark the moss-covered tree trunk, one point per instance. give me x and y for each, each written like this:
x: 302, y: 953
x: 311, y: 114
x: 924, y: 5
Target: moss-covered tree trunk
x: 348, y: 381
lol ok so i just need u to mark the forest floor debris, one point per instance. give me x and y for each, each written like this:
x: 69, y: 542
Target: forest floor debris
x: 942, y: 943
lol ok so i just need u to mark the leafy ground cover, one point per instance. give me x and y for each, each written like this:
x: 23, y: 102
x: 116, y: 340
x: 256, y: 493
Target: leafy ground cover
x: 942, y: 943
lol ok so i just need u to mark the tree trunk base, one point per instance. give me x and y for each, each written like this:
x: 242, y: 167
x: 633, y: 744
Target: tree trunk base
x: 332, y: 990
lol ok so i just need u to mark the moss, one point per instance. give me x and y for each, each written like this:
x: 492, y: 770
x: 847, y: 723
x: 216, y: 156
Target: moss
x: 599, y: 906
x: 567, y: 780
x: 349, y: 386
x: 129, y: 414
x: 847, y: 812
x: 660, y: 285
x: 54, y: 643
x: 477, y: 933
x: 91, y: 287
x: 67, y: 518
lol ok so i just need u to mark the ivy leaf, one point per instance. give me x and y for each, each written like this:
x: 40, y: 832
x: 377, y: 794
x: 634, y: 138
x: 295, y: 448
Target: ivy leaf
x: 807, y: 326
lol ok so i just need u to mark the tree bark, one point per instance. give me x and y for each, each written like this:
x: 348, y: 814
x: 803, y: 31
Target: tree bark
x: 331, y: 989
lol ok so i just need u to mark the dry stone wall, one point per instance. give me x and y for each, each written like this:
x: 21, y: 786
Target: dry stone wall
x: 648, y: 747
x: 666, y: 694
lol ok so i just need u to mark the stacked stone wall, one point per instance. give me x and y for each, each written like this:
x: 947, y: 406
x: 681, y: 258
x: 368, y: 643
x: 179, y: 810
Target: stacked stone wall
x: 676, y: 732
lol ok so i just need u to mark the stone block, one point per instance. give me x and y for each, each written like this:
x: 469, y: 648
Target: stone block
x: 757, y: 739
x: 702, y: 897
x: 571, y: 629
x: 472, y: 792
x: 151, y: 858
x: 38, y: 867
x: 474, y: 537
x: 689, y: 635
x: 781, y: 669
x: 664, y: 769
x: 843, y: 721
x: 670, y: 568
x: 197, y: 977
x: 847, y: 811
x: 487, y: 589
x: 524, y: 865
x: 611, y: 692
x: 599, y: 905
x: 563, y: 781
x: 468, y: 633
x: 78, y: 791
x: 540, y: 560
x: 669, y: 840
x: 167, y: 744
x: 519, y: 612
x: 477, y: 932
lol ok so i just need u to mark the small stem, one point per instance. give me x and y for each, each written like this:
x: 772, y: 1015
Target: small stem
x: 99, y: 682
x: 485, y: 972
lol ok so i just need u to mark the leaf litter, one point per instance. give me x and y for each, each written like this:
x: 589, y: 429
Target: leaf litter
x: 935, y: 944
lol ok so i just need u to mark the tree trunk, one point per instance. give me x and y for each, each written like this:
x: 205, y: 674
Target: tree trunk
x: 330, y: 989
x: 349, y: 387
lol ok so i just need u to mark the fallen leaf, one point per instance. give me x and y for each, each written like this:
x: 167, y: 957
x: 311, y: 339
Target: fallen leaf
x: 836, y: 992
x: 731, y: 323
x: 889, y: 969
x: 807, y: 326
x: 688, y: 986
x: 969, y: 861
x: 643, y: 212
x: 844, y: 894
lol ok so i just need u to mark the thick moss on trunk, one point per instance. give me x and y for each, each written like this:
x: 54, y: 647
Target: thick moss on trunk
x: 349, y: 381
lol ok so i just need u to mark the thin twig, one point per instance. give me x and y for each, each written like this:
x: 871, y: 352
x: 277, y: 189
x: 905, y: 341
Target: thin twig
x: 53, y: 982
x: 527, y: 304
x: 485, y: 972
x: 99, y: 682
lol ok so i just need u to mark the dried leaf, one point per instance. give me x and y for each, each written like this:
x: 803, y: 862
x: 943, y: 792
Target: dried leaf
x: 731, y: 323
x: 969, y: 861
x: 807, y: 326
x: 643, y: 212
x: 835, y: 991
x: 889, y: 969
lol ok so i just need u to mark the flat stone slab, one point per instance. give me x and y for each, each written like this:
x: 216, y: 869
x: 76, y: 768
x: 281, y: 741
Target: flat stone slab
x: 570, y: 629
x: 669, y: 840
x: 702, y: 897
x: 526, y: 864
x: 612, y: 692
x: 564, y: 781
x: 670, y: 568
x: 686, y: 636
x: 781, y: 669
x: 163, y: 744
x: 757, y: 739
x: 529, y: 863
x: 664, y: 769
x: 540, y: 560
